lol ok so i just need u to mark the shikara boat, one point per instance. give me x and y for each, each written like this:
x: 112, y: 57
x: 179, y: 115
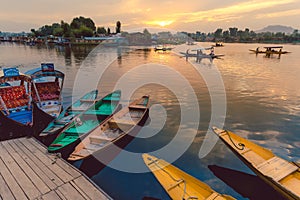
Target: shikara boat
x: 162, y: 48
x: 66, y: 117
x: 47, y: 84
x: 119, y: 129
x: 177, y: 183
x: 282, y: 175
x: 269, y: 50
x: 18, y: 116
x: 201, y: 54
x: 85, y: 123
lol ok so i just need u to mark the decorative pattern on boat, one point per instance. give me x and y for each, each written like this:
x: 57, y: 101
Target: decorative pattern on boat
x: 14, y: 97
x: 47, y: 91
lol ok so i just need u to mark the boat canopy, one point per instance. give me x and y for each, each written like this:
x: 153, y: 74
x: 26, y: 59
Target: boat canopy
x: 46, y: 70
x: 275, y: 47
x: 12, y: 74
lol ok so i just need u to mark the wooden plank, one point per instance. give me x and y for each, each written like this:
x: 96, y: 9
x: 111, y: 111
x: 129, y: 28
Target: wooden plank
x: 70, y: 170
x: 5, y: 192
x: 52, y: 181
x: 89, y: 189
x: 11, y: 182
x: 35, y: 179
x: 27, y: 186
x: 50, y: 196
x: 63, y: 175
x: 69, y: 192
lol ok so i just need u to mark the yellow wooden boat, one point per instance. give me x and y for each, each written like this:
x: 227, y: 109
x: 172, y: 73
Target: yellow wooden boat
x: 178, y: 184
x: 282, y: 175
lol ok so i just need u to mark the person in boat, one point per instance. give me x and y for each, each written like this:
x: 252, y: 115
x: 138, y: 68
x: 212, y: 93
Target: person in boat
x: 212, y: 51
x: 257, y: 49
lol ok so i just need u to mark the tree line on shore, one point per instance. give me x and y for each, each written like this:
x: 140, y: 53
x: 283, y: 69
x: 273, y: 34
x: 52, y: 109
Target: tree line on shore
x: 79, y: 27
x: 233, y: 34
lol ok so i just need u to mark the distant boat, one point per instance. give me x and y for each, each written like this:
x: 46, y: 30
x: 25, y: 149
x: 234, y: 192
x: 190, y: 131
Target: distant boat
x: 18, y: 116
x: 119, y: 129
x: 201, y: 54
x: 269, y: 50
x: 178, y: 184
x: 282, y: 175
x: 85, y: 123
x: 218, y: 44
x: 162, y: 48
x: 67, y: 116
x: 47, y: 84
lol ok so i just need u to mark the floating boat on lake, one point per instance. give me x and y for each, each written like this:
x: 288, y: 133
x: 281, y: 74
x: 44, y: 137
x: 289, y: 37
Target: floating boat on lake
x: 162, y: 48
x: 18, y: 116
x: 47, y: 84
x: 282, y: 175
x: 119, y: 130
x: 85, y: 123
x: 66, y: 117
x: 177, y: 183
x: 269, y: 50
x: 201, y: 54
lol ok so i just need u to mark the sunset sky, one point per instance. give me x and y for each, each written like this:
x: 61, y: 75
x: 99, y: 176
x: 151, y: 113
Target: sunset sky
x: 183, y: 15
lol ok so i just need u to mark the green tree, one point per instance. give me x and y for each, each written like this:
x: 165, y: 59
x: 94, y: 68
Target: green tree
x: 79, y: 21
x: 218, y: 33
x: 233, y: 31
x: 101, y: 30
x: 118, y: 27
x: 67, y: 32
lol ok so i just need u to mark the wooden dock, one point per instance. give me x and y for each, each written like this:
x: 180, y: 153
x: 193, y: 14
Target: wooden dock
x: 28, y: 172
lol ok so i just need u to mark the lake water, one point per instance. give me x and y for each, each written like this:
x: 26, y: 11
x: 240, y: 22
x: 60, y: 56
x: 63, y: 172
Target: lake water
x: 259, y: 97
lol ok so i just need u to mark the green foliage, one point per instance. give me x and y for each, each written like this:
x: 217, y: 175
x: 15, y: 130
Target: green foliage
x: 83, y: 31
x: 82, y: 21
x: 218, y: 33
x: 101, y: 30
x: 118, y: 27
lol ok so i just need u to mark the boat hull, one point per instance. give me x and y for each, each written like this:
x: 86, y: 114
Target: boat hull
x: 267, y: 180
x: 104, y: 156
x: 276, y: 185
x: 10, y: 129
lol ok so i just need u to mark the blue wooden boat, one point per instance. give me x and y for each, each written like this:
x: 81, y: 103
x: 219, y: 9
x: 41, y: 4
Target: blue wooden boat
x: 84, y: 123
x: 47, y: 84
x: 66, y: 117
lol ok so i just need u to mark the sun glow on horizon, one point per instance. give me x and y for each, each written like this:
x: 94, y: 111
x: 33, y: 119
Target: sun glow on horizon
x: 160, y: 23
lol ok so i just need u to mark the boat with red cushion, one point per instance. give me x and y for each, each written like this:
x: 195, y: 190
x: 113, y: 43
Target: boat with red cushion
x: 47, y: 84
x: 17, y: 113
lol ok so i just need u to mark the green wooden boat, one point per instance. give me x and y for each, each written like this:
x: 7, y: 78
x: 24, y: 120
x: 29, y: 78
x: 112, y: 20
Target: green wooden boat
x: 66, y: 117
x: 85, y: 123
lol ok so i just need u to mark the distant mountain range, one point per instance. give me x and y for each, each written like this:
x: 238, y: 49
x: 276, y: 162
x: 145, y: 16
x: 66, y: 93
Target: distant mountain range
x: 276, y: 28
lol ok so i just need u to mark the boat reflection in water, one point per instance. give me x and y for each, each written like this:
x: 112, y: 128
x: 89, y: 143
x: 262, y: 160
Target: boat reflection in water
x: 249, y: 186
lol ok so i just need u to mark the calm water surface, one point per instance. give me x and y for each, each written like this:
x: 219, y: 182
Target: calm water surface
x: 263, y: 105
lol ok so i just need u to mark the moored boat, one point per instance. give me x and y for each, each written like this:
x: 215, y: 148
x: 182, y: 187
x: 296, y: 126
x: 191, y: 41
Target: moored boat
x: 119, y: 130
x: 47, y: 84
x: 85, y: 123
x: 282, y: 175
x: 18, y: 116
x: 177, y: 183
x: 66, y: 117
x: 16, y: 111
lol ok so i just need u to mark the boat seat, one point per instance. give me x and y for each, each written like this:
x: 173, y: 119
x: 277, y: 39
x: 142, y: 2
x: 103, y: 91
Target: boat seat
x: 120, y: 123
x: 14, y: 97
x: 213, y: 196
x: 277, y: 168
x: 46, y: 91
x: 99, y: 139
x: 176, y: 184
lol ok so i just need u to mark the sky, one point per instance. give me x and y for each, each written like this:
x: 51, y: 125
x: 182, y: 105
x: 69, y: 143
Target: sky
x: 177, y: 15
